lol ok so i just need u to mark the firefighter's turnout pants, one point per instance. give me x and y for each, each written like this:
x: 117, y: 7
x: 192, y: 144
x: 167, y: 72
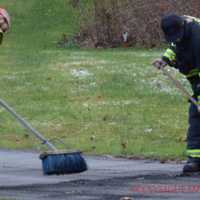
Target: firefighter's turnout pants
x: 193, y: 136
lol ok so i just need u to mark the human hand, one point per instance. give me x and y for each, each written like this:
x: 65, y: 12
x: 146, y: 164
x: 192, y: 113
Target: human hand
x: 159, y: 63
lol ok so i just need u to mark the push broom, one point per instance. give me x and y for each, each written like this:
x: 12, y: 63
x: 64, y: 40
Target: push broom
x: 179, y: 86
x: 53, y: 162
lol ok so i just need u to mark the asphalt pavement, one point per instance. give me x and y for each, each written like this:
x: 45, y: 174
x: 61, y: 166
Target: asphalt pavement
x: 108, y: 178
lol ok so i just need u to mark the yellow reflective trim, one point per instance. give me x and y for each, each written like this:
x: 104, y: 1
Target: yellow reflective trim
x: 198, y: 98
x: 195, y: 156
x: 192, y: 18
x: 193, y: 73
x: 170, y: 55
x: 195, y: 153
x: 195, y: 70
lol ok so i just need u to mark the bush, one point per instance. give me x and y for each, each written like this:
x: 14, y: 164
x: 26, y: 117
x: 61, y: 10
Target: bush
x: 139, y: 19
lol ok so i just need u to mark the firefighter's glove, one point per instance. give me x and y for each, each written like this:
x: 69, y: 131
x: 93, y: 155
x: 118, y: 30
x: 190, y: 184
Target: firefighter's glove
x: 159, y: 63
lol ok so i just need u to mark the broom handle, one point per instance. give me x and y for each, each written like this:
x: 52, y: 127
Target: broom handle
x: 179, y: 86
x: 26, y: 125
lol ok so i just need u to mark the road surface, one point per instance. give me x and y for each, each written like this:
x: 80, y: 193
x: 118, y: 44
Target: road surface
x: 108, y: 178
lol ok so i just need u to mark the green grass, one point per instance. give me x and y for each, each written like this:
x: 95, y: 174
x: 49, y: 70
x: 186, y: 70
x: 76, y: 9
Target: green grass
x: 99, y: 101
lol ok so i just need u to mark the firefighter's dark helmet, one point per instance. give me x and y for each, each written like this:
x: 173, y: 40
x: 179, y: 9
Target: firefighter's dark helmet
x: 173, y: 27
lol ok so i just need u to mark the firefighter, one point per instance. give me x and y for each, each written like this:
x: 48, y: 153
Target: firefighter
x: 183, y: 35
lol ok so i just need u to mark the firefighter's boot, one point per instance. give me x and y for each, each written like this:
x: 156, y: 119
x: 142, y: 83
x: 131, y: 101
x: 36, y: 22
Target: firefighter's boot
x: 192, y: 166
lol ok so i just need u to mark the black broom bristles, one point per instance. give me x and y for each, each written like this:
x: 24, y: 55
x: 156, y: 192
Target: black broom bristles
x: 63, y: 163
x: 56, y: 162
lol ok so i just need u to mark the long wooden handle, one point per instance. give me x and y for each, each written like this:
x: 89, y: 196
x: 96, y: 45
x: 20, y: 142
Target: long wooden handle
x: 26, y: 125
x: 180, y: 86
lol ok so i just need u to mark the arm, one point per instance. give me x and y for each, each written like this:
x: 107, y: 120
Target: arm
x: 195, y: 84
x: 168, y: 58
x: 196, y: 51
x: 195, y: 79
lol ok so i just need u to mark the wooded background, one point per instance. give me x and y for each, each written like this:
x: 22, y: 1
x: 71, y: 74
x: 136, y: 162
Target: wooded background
x: 140, y: 19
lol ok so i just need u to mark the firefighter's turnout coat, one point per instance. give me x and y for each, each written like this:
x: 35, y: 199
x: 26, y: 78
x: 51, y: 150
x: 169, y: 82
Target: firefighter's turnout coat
x: 185, y: 56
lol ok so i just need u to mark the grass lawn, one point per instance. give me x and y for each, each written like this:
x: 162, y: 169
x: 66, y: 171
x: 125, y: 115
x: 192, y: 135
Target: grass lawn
x: 98, y: 101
